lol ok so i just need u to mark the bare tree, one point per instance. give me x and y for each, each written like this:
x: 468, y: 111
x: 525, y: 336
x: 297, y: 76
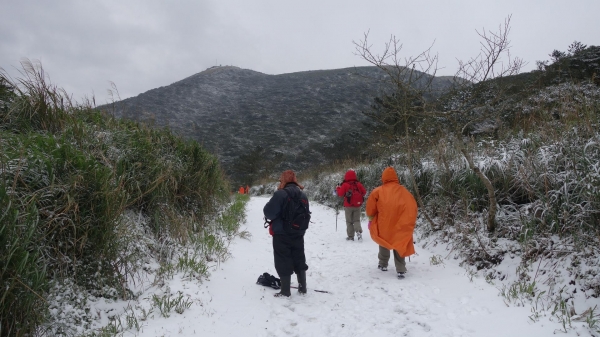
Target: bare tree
x: 411, y: 80
x: 492, y: 63
x: 494, y: 59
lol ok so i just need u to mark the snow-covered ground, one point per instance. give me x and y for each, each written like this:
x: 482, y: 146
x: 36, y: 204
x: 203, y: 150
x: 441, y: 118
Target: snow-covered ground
x: 433, y: 300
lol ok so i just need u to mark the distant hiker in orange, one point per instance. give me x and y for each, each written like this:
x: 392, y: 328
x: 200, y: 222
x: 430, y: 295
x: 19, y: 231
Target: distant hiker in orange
x: 392, y: 211
x: 247, y: 189
x: 242, y: 191
x: 353, y: 193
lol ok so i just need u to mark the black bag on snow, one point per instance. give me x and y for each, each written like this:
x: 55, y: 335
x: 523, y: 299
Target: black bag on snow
x: 295, y: 214
x: 269, y: 280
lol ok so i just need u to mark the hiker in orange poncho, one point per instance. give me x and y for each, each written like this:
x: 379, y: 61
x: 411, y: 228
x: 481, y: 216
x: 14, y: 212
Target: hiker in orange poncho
x: 242, y: 191
x: 392, y: 211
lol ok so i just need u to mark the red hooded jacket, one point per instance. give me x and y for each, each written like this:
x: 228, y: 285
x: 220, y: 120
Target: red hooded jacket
x: 349, y: 180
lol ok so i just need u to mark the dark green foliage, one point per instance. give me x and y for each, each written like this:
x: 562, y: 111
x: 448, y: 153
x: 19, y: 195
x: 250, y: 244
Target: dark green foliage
x: 500, y: 100
x: 35, y: 104
x: 23, y: 271
x: 6, y: 95
x: 545, y: 179
x: 251, y: 166
x: 159, y: 167
x: 578, y: 64
x: 300, y: 120
x: 390, y: 114
x: 67, y: 175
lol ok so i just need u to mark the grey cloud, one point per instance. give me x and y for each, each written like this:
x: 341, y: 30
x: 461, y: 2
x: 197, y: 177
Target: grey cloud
x: 143, y: 44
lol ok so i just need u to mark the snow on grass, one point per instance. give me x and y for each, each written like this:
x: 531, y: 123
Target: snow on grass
x: 437, y: 298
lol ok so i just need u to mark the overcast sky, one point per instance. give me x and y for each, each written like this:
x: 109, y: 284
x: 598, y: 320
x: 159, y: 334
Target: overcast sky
x: 139, y: 45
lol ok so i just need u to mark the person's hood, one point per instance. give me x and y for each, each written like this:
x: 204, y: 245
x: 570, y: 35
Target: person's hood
x: 288, y: 177
x: 350, y: 176
x: 389, y: 175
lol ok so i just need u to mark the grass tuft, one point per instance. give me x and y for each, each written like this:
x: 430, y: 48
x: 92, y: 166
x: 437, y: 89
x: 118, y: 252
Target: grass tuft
x: 69, y: 177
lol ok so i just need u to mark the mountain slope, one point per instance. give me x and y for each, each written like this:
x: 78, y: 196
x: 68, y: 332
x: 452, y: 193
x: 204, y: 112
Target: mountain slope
x: 256, y: 122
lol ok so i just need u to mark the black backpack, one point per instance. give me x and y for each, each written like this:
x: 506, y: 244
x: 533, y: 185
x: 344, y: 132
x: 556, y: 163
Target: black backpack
x: 269, y: 280
x: 295, y: 213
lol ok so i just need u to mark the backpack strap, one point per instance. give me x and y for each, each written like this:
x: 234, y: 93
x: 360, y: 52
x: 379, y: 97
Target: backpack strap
x: 290, y: 196
x: 355, y: 182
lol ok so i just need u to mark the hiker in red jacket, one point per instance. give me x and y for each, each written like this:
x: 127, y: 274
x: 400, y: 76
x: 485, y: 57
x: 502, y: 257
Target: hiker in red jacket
x: 353, y: 193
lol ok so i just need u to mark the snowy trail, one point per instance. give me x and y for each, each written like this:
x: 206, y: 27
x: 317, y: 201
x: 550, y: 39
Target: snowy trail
x: 433, y: 300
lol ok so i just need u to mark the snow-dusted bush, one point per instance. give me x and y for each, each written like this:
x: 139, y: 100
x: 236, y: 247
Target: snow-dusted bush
x: 547, y: 185
x: 69, y: 177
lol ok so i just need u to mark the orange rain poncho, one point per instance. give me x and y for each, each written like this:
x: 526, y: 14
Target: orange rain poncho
x: 394, y: 213
x: 242, y: 191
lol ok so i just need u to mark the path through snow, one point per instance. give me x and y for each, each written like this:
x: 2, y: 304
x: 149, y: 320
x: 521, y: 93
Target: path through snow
x: 433, y: 300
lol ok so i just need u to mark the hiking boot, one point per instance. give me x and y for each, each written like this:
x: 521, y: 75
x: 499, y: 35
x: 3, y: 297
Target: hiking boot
x: 301, y: 282
x: 382, y: 268
x: 285, y: 287
x: 401, y: 274
x: 350, y: 238
x: 359, y: 236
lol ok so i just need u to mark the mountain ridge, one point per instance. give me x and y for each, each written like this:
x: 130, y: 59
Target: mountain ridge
x: 285, y: 121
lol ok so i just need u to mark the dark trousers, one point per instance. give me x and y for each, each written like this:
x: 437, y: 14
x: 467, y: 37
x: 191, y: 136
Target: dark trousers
x: 384, y: 258
x: 288, y: 252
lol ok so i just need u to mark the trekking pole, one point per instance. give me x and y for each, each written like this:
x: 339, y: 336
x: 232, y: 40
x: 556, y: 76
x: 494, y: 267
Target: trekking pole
x: 336, y: 208
x: 336, y: 215
x: 319, y: 291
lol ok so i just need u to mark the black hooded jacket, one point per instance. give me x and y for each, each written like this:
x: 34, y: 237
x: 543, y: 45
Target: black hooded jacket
x: 274, y: 207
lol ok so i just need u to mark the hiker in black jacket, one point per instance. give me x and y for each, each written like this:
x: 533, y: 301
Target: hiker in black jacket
x: 288, y: 246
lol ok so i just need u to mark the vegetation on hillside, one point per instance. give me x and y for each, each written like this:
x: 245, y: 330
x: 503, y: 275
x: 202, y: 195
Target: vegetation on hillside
x: 535, y: 137
x: 75, y: 183
x: 258, y: 124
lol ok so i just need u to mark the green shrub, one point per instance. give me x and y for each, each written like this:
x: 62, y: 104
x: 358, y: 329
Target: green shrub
x: 23, y: 271
x: 67, y: 175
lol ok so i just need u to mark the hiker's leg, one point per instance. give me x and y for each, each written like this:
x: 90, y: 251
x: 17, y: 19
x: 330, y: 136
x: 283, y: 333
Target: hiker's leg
x: 297, y: 252
x: 400, y: 262
x: 282, y: 255
x: 289, y: 256
x: 356, y: 219
x: 285, y: 286
x: 384, y: 256
x: 299, y: 258
x: 349, y: 225
x: 302, y: 282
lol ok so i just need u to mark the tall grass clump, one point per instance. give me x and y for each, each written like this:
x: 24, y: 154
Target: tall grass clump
x: 35, y: 103
x: 23, y: 272
x: 69, y: 175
